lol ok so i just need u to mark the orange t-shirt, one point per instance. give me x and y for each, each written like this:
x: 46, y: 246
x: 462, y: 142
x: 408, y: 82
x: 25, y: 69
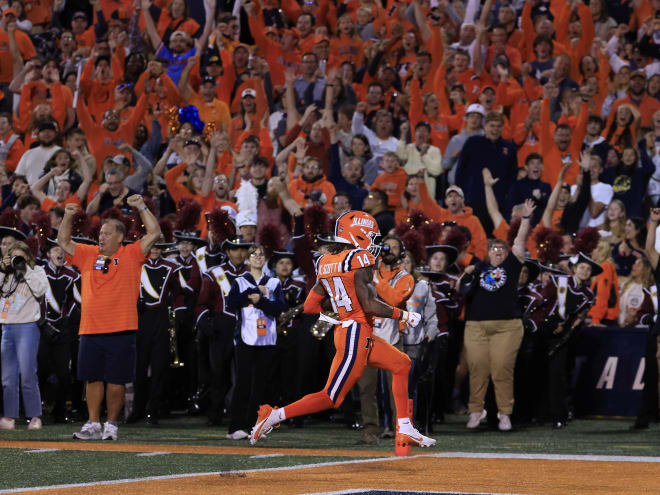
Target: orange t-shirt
x: 109, y: 300
x: 49, y: 203
x: 26, y: 48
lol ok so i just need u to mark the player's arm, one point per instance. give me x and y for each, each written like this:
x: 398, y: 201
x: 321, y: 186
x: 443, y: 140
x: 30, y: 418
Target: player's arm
x: 366, y: 296
x: 316, y: 301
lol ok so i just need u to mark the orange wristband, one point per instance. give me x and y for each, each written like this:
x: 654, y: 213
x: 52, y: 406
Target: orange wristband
x: 396, y: 314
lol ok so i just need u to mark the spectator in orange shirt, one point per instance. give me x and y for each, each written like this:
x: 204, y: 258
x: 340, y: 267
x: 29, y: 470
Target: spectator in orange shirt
x: 8, y: 37
x: 638, y: 98
x: 109, y: 307
x: 211, y: 110
x: 64, y: 191
x: 11, y: 146
x: 104, y: 139
x: 98, y: 81
x: 175, y: 17
x: 311, y: 180
x: 393, y: 179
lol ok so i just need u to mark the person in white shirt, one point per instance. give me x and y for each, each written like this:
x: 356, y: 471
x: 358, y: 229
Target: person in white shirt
x: 32, y: 163
x: 601, y: 194
x: 381, y: 139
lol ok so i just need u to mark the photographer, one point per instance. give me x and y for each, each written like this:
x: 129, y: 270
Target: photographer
x: 22, y: 284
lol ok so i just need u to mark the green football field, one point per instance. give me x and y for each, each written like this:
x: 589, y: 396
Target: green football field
x: 144, y: 451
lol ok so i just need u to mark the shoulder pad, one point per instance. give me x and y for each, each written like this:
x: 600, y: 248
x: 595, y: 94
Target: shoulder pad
x: 358, y: 258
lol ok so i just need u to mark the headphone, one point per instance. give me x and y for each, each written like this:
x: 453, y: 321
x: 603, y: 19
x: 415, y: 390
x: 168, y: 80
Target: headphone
x: 386, y: 248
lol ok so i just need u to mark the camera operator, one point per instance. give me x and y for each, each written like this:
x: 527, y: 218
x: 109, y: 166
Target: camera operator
x: 22, y: 284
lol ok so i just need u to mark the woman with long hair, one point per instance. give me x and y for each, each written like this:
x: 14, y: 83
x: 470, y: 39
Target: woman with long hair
x: 614, y: 224
x: 632, y: 292
x: 622, y: 133
x: 346, y: 44
x: 64, y: 160
x: 626, y: 252
x: 22, y: 284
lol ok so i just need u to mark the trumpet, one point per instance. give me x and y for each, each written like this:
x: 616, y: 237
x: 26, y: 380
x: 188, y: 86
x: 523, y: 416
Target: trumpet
x: 322, y: 327
x: 284, y: 319
x: 174, y: 347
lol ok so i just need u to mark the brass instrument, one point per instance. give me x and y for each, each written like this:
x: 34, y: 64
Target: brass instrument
x: 284, y: 318
x: 322, y: 327
x: 174, y: 347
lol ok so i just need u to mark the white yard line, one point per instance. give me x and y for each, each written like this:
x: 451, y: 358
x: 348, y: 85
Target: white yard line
x: 41, y: 451
x: 151, y: 454
x: 469, y: 455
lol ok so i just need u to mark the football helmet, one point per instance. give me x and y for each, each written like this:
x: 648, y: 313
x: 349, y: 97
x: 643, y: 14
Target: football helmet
x: 359, y: 229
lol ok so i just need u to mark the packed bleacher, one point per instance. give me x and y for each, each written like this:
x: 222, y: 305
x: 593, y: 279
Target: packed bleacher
x: 465, y: 128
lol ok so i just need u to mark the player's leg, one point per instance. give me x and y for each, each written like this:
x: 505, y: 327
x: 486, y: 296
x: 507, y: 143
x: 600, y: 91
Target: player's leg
x: 387, y: 357
x: 349, y: 361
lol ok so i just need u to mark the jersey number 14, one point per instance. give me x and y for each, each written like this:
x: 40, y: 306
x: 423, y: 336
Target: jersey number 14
x: 339, y: 298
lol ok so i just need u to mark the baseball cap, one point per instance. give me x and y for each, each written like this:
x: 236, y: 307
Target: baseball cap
x: 79, y: 15
x: 458, y: 85
x: 638, y: 73
x: 10, y: 12
x: 501, y: 60
x: 121, y: 160
x: 321, y: 39
x: 49, y: 125
x: 476, y: 108
x: 249, y: 92
x: 455, y: 189
x: 487, y: 86
x: 213, y: 59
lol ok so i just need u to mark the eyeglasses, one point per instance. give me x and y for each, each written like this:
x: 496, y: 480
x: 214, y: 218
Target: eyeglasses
x: 124, y: 86
x: 257, y: 255
x: 67, y: 38
x: 106, y: 266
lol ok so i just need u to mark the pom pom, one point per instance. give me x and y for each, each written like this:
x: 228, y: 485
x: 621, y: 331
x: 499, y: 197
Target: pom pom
x: 270, y: 238
x: 586, y: 240
x: 455, y: 237
x: 80, y: 225
x: 94, y: 229
x: 166, y: 229
x: 514, y: 227
x: 42, y: 228
x: 188, y: 214
x: 549, y: 244
x: 416, y: 219
x: 116, y: 214
x: 219, y: 223
x: 33, y: 244
x: 431, y: 232
x: 414, y: 241
x: 10, y: 218
x: 191, y: 114
x: 316, y: 222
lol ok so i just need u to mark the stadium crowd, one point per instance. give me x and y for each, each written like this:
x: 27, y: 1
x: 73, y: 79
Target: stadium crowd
x: 472, y: 131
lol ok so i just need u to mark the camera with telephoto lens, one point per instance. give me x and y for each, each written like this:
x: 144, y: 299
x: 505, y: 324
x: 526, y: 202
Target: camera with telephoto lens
x: 19, y: 264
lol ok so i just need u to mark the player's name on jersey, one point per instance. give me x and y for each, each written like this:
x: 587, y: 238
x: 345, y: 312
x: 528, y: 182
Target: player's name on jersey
x: 326, y: 268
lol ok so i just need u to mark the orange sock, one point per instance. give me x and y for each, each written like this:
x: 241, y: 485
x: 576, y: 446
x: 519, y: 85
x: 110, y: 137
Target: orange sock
x: 400, y: 392
x: 319, y: 401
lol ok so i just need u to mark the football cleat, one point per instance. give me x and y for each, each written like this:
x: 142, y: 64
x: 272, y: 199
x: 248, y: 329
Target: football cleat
x: 414, y: 437
x: 264, y: 424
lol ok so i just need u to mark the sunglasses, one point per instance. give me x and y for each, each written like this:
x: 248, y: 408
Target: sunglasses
x: 124, y: 86
x: 106, y: 266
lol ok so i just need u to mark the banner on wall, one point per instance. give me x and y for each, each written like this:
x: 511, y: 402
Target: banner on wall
x: 609, y: 371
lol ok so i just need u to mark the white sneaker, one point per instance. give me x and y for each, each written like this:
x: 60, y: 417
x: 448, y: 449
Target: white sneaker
x: 264, y: 425
x: 110, y: 431
x: 415, y: 437
x: 89, y: 431
x: 237, y: 435
x: 475, y: 419
x: 35, y: 424
x: 505, y: 422
x: 7, y: 424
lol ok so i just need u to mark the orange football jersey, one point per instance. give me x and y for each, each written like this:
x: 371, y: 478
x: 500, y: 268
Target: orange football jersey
x: 336, y: 272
